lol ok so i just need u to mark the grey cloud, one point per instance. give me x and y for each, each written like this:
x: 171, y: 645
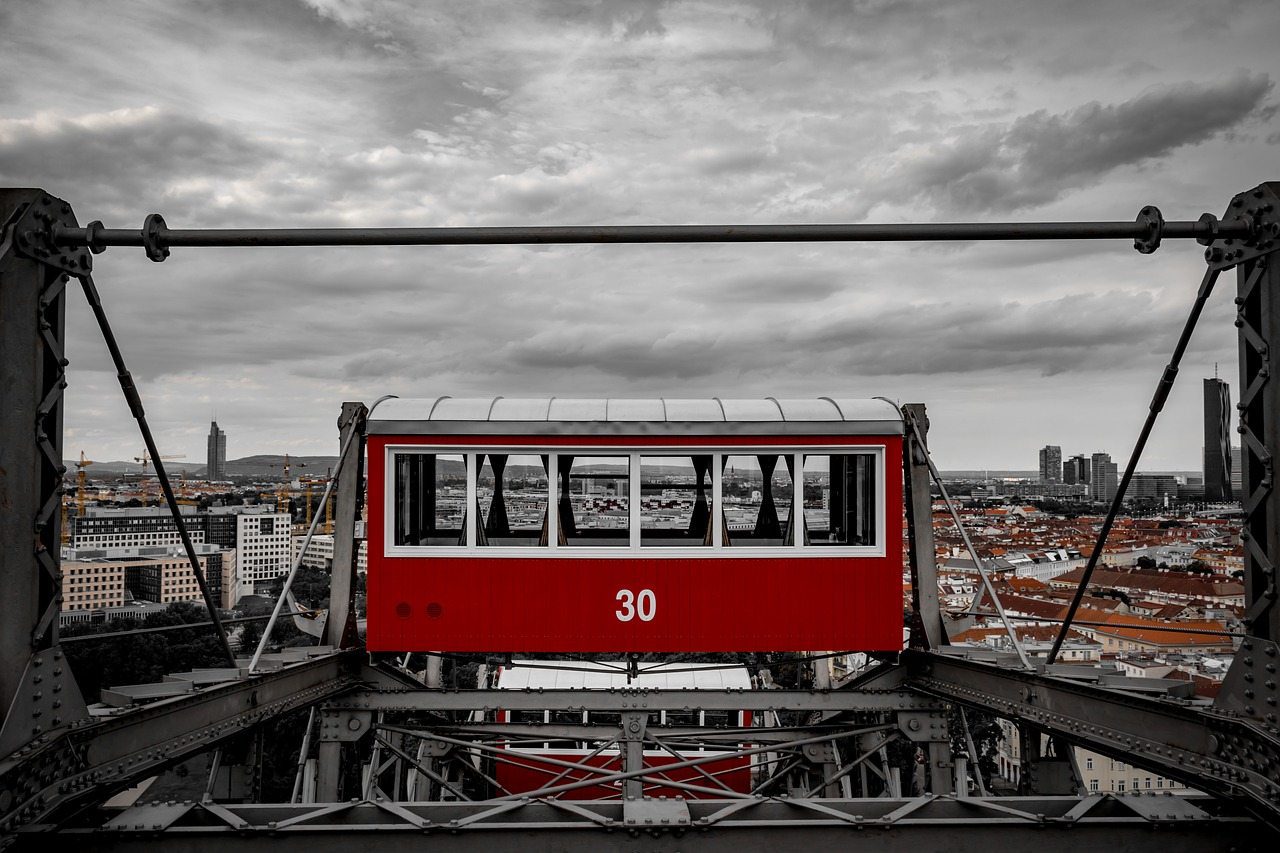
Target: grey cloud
x: 1040, y: 156
x: 624, y: 354
x: 117, y: 158
x: 789, y: 287
x: 1073, y: 333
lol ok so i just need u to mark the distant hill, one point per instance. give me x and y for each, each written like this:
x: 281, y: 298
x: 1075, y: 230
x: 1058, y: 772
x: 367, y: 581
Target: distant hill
x: 270, y: 467
x: 259, y: 467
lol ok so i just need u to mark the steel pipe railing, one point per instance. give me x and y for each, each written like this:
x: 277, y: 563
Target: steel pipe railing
x: 158, y: 238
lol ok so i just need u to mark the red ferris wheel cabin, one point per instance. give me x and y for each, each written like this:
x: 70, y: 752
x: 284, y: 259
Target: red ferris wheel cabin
x: 610, y: 525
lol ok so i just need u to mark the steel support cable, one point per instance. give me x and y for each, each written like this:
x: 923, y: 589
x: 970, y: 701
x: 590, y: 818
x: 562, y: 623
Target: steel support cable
x: 848, y: 769
x: 157, y: 238
x: 306, y: 542
x: 430, y: 774
x: 679, y: 765
x: 465, y: 763
x: 678, y: 757
x: 968, y: 544
x: 778, y: 774
x: 135, y: 407
x: 563, y: 773
x: 1163, y: 387
x: 651, y: 777
x: 111, y: 635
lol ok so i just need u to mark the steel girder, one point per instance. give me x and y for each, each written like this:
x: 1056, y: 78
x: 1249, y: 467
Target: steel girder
x: 827, y: 701
x: 340, y: 625
x: 1212, y: 751
x: 37, y: 692
x: 96, y: 758
x: 1258, y: 318
x: 1161, y: 824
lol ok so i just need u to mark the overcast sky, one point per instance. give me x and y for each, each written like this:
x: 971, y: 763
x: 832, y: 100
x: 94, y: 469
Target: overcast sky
x: 345, y: 112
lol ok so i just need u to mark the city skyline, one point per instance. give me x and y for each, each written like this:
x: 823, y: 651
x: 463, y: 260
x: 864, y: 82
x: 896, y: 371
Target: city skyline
x: 317, y: 448
x: 480, y: 117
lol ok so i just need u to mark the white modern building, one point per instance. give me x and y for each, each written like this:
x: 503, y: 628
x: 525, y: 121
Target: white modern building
x: 320, y: 553
x: 264, y: 549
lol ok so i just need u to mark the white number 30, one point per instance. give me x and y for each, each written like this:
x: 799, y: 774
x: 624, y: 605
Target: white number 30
x: 644, y: 605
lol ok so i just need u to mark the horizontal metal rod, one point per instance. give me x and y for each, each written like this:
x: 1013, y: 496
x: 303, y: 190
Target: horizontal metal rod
x: 515, y: 235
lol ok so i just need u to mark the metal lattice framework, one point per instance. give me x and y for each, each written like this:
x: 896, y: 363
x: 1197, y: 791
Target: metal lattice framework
x: 389, y: 751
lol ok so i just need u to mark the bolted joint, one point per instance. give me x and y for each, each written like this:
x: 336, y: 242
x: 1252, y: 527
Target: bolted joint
x: 1208, y: 228
x: 1150, y: 217
x: 93, y: 237
x: 154, y: 237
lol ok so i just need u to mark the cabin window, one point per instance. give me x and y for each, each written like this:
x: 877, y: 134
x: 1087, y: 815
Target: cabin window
x: 430, y: 498
x: 526, y: 717
x: 511, y: 493
x: 718, y: 719
x: 840, y: 499
x: 675, y: 501
x: 756, y: 498
x: 593, y: 503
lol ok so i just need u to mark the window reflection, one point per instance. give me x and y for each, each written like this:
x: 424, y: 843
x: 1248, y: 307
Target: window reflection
x: 757, y: 494
x: 839, y: 499
x: 511, y: 492
x: 594, y: 501
x: 675, y: 501
x: 430, y: 496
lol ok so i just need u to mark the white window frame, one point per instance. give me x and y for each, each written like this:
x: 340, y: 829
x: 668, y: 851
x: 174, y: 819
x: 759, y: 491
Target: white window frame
x: 635, y: 550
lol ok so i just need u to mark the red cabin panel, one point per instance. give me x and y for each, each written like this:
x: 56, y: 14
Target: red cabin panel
x: 572, y: 602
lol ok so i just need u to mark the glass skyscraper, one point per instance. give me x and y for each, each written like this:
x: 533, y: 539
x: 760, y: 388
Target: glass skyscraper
x: 216, y: 469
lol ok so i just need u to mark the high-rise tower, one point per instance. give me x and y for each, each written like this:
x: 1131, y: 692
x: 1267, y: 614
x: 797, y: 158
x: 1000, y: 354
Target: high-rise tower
x: 216, y: 469
x: 1077, y: 470
x: 1104, y: 479
x: 1051, y: 464
x: 1217, y: 440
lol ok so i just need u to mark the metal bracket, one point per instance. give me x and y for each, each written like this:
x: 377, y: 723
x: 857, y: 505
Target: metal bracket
x: 47, y: 700
x: 433, y: 748
x: 819, y: 753
x: 33, y: 236
x: 1150, y: 216
x: 1164, y: 807
x: 633, y: 726
x: 1259, y: 208
x: 923, y: 726
x: 154, y: 817
x: 1249, y: 688
x: 153, y: 237
x: 344, y: 726
x: 660, y: 813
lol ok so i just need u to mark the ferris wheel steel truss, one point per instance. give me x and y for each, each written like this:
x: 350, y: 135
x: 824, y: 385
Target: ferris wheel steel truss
x: 401, y: 755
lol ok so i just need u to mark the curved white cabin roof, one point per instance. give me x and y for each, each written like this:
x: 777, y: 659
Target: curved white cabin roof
x: 593, y: 675
x: 659, y: 415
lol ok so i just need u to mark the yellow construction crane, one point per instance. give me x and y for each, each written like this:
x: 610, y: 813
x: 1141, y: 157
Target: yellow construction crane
x: 146, y: 460
x: 81, y: 479
x: 328, y: 505
x: 80, y: 482
x: 282, y: 496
